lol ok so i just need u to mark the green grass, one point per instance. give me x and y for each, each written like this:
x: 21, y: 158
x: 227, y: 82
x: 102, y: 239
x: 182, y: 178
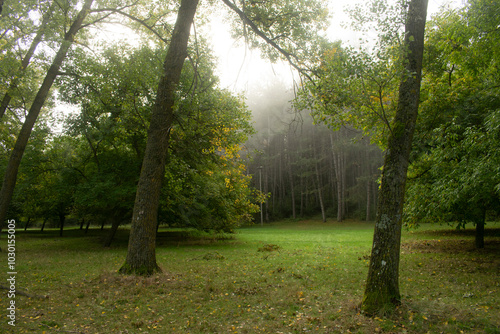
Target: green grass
x: 288, y: 277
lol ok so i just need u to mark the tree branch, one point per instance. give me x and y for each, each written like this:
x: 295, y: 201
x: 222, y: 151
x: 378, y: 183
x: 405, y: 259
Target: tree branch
x: 133, y: 18
x: 271, y: 42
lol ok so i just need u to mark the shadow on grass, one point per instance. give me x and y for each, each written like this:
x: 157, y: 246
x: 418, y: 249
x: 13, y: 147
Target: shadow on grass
x: 94, y: 238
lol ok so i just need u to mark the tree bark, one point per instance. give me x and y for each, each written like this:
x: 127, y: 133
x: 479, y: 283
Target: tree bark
x: 43, y: 224
x: 479, y: 240
x: 316, y: 157
x: 27, y: 223
x: 320, y: 193
x: 368, y: 184
x: 11, y: 171
x: 62, y: 219
x: 382, y: 286
x: 141, y: 256
x: 339, y: 177
x: 115, y: 223
x: 87, y: 226
x: 290, y: 176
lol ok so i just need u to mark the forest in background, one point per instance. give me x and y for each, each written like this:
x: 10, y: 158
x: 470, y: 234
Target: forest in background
x: 305, y: 167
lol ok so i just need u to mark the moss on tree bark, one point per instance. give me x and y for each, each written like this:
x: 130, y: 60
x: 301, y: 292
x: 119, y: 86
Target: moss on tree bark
x: 141, y: 256
x: 382, y: 287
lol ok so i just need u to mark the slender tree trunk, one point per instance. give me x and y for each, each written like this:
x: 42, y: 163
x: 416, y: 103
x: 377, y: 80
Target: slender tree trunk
x: 10, y: 176
x: 340, y: 196
x: 320, y: 194
x: 368, y: 185
x: 337, y: 162
x: 141, y: 256
x: 62, y: 219
x: 27, y: 223
x: 115, y: 223
x: 292, y: 188
x: 43, y: 224
x: 302, y: 196
x: 87, y: 227
x: 480, y: 231
x: 266, y: 191
x: 382, y: 286
x: 368, y: 199
x: 316, y: 157
x: 343, y: 177
x: 81, y: 223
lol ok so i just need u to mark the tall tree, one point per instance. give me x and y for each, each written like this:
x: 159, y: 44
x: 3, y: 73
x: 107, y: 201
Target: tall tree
x: 382, y: 286
x: 141, y: 258
x: 141, y: 255
x: 22, y: 140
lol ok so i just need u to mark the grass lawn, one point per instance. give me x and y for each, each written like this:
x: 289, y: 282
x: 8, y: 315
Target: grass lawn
x: 287, y: 277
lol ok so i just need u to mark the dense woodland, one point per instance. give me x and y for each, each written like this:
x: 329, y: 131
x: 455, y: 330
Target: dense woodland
x: 107, y: 132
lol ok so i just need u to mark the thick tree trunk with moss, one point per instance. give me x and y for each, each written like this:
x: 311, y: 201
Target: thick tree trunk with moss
x: 11, y: 171
x: 382, y: 286
x: 141, y: 256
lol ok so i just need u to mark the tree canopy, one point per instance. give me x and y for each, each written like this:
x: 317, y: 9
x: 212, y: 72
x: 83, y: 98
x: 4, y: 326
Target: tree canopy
x: 454, y: 175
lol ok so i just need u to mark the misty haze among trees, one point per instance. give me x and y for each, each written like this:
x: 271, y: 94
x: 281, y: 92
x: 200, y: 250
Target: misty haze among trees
x: 305, y: 168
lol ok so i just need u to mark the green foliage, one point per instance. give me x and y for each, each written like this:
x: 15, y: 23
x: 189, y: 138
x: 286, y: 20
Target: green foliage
x: 454, y: 175
x: 205, y: 184
x: 293, y: 26
x: 359, y: 87
x: 354, y: 88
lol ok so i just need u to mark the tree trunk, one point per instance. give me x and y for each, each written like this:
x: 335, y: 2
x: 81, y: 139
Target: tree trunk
x: 27, y: 223
x: 62, y: 219
x: 141, y: 256
x: 81, y: 223
x: 368, y: 184
x: 480, y: 231
x: 320, y: 194
x: 343, y: 176
x: 382, y: 286
x: 292, y: 188
x: 10, y: 176
x: 43, y: 224
x: 115, y: 223
x: 316, y: 157
x: 87, y: 227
